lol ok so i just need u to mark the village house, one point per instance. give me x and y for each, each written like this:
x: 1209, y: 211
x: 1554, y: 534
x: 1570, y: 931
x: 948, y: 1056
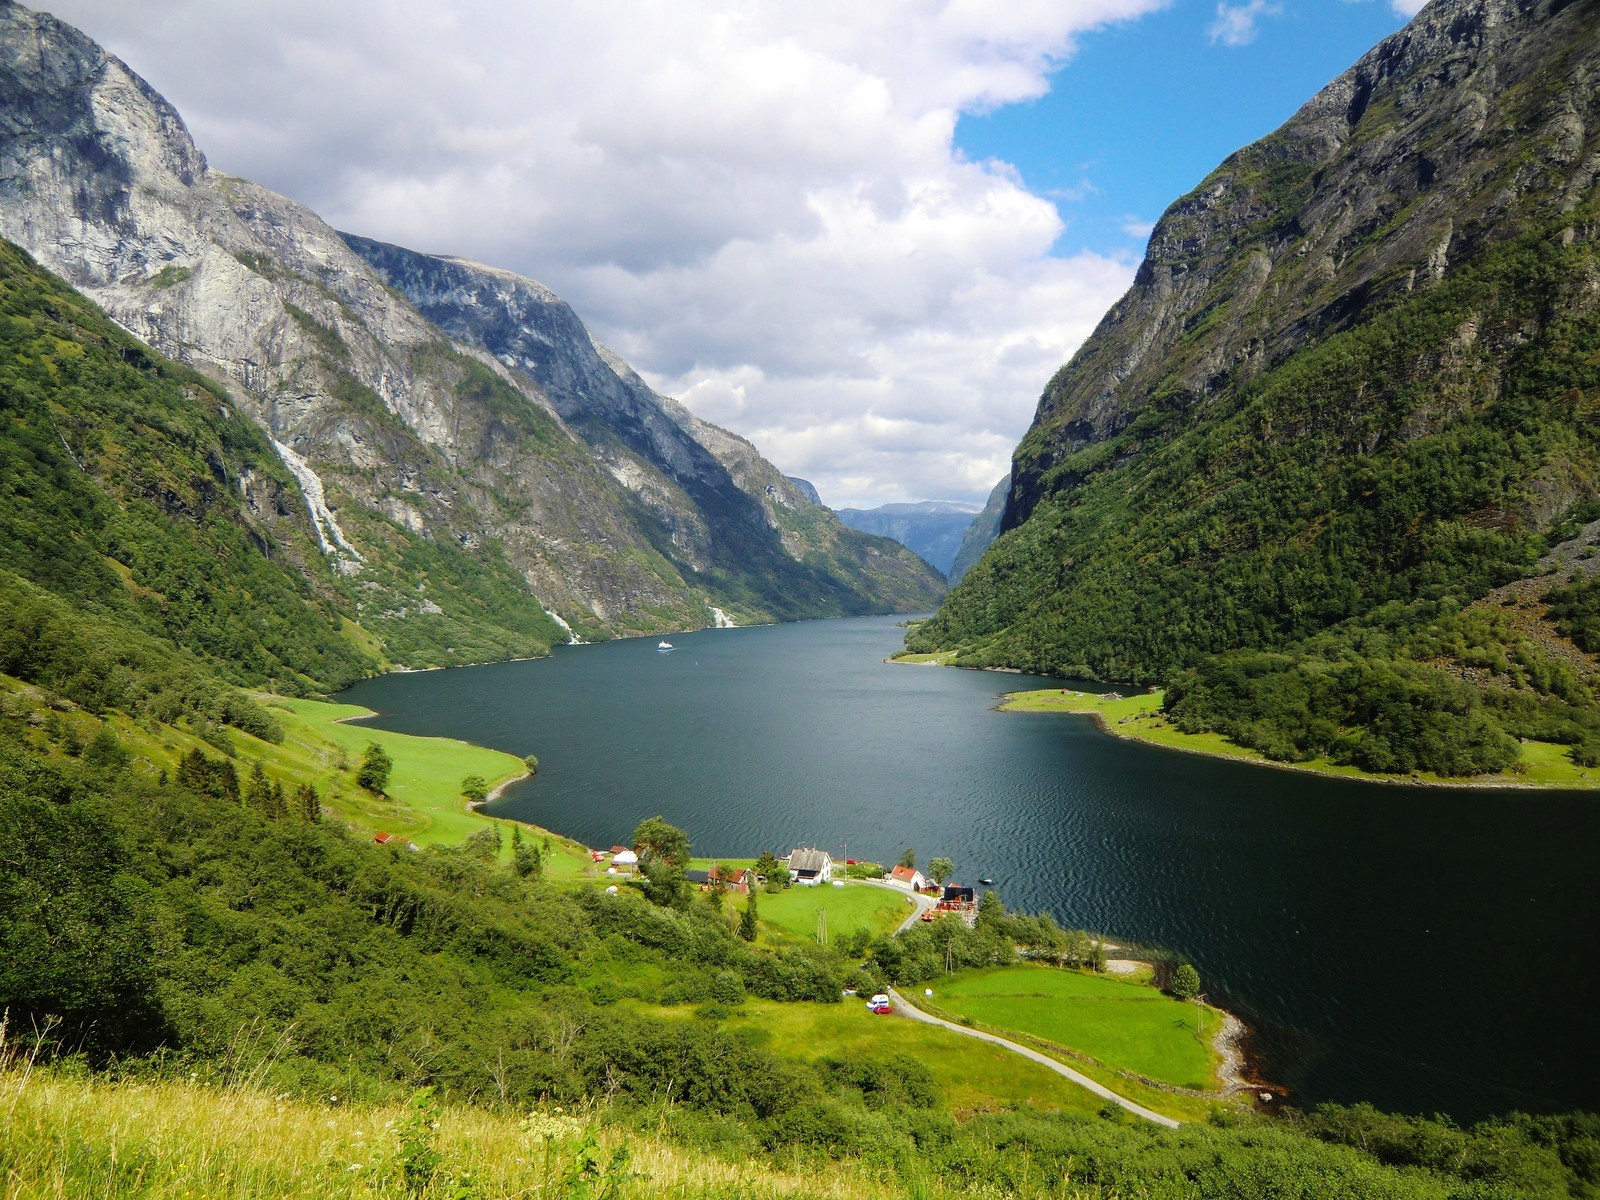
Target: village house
x: 908, y: 877
x: 810, y: 867
x: 737, y: 880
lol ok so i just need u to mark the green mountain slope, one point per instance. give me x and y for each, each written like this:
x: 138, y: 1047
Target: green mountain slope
x: 129, y: 487
x: 1358, y: 369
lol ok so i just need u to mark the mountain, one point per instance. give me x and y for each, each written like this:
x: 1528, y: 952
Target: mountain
x: 983, y: 530
x: 932, y: 528
x: 711, y: 500
x: 1352, y: 390
x: 454, y: 496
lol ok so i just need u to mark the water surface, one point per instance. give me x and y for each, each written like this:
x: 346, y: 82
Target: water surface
x: 1424, y: 949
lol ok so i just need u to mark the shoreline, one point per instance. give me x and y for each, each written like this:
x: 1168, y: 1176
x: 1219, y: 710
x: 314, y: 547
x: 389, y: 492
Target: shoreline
x: 1008, y: 701
x: 1015, y: 702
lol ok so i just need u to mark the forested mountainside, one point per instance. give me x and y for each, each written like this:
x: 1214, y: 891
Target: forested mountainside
x: 440, y: 466
x: 1353, y: 390
x: 982, y: 532
x: 134, y: 494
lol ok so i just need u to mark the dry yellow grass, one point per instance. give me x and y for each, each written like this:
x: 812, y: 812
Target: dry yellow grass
x: 63, y: 1136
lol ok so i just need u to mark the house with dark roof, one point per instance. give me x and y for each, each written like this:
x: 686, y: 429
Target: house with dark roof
x: 810, y: 867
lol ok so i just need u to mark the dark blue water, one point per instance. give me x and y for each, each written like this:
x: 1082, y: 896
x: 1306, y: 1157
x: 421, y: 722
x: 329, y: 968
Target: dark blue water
x: 1429, y: 950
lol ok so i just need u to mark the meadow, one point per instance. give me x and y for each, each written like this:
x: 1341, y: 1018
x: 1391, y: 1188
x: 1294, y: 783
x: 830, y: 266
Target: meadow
x: 1123, y: 1025
x: 854, y: 906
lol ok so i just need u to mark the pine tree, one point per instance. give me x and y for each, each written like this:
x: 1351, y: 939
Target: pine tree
x: 258, y: 795
x: 307, y: 804
x: 747, y: 919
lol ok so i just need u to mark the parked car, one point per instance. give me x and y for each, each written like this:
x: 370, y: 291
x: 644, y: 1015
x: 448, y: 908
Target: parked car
x: 880, y: 1004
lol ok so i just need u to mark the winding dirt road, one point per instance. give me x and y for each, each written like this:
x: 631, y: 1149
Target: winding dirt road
x: 916, y: 1014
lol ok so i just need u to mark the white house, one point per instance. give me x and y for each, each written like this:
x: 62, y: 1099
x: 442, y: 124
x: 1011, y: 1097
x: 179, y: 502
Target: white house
x: 908, y: 877
x: 810, y: 867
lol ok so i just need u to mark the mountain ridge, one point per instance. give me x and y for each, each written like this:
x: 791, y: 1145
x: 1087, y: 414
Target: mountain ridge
x: 429, y: 451
x: 1352, y: 390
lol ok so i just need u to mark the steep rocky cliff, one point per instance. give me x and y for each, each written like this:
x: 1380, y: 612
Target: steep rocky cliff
x: 1355, y: 368
x: 1471, y: 126
x: 711, y: 502
x: 458, y: 499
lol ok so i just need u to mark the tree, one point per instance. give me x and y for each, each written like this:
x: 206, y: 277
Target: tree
x: 941, y: 869
x: 374, y: 771
x: 307, y: 804
x: 908, y: 858
x: 771, y: 870
x: 484, y: 845
x: 655, y: 839
x: 259, y: 793
x: 664, y: 883
x: 991, y: 911
x: 475, y: 788
x: 526, y: 860
x: 747, y: 919
x: 1185, y: 982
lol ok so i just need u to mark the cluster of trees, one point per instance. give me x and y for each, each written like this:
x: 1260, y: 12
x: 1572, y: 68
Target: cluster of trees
x: 218, y: 778
x: 933, y: 948
x: 1425, y: 686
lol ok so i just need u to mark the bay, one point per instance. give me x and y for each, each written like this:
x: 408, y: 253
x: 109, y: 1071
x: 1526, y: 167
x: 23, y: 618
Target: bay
x: 1424, y: 949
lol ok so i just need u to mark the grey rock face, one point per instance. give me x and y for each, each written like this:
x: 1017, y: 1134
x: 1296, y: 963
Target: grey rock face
x: 1394, y: 172
x: 719, y: 505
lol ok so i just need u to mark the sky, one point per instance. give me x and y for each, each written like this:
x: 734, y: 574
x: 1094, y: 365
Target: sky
x: 863, y: 235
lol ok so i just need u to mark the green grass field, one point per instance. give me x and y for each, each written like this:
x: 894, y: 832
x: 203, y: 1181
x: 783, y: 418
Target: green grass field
x: 972, y: 1076
x: 1126, y: 1026
x: 854, y: 906
x: 1543, y: 764
x: 424, y: 802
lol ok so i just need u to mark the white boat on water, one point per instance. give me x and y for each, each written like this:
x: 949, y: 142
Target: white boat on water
x: 663, y: 645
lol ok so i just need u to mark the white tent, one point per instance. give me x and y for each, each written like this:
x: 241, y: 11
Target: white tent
x: 625, y: 858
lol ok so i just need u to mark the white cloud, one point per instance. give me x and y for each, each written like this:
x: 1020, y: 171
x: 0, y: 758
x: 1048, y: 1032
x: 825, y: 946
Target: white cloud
x: 1407, y: 8
x: 1236, y: 24
x: 1137, y: 227
x: 758, y: 205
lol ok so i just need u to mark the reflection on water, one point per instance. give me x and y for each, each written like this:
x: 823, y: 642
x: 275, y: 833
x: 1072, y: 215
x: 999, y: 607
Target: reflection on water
x: 1425, y: 949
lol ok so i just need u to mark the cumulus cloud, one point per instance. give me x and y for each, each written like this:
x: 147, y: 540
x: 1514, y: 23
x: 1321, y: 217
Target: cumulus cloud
x: 1407, y: 8
x: 1237, y: 24
x: 758, y: 205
